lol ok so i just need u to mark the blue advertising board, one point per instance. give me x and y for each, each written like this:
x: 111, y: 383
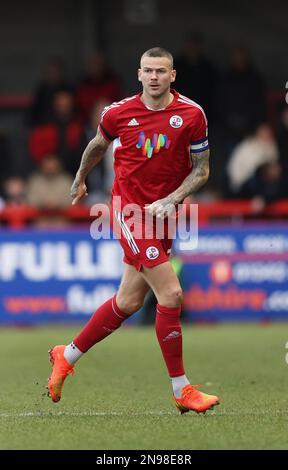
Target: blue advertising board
x: 55, y: 275
x: 235, y: 273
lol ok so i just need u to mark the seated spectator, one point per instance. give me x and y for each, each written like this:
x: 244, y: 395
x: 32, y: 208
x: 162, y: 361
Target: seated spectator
x: 242, y: 98
x: 5, y: 159
x: 249, y: 155
x: 13, y: 201
x: 14, y: 191
x: 53, y: 81
x: 99, y: 83
x: 265, y: 186
x: 282, y: 139
x: 49, y: 187
x: 207, y: 194
x: 61, y: 135
x: 100, y: 179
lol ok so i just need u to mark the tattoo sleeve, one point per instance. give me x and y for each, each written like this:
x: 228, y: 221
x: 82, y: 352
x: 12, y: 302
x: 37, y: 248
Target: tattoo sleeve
x: 92, y: 155
x: 197, y: 178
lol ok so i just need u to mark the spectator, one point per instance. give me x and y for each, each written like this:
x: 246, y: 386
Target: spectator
x: 99, y: 83
x: 61, y: 135
x: 265, y: 186
x: 53, y: 81
x: 249, y: 155
x: 242, y: 98
x: 196, y: 75
x: 14, y: 191
x: 282, y: 139
x: 5, y: 159
x: 209, y: 193
x: 49, y: 187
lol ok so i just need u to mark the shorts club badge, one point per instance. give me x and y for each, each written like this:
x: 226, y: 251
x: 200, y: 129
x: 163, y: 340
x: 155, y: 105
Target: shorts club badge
x: 152, y: 252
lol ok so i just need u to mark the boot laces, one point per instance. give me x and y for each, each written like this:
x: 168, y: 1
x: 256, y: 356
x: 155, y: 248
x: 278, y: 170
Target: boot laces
x: 191, y: 390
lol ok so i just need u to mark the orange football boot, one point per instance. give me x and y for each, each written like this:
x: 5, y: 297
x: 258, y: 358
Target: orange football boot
x: 192, y: 399
x: 60, y: 370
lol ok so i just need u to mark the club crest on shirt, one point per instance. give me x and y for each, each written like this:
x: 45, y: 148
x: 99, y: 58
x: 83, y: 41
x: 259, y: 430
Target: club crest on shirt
x: 152, y: 252
x: 176, y: 121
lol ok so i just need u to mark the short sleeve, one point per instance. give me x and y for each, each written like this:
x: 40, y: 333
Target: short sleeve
x: 199, y: 132
x: 108, y: 123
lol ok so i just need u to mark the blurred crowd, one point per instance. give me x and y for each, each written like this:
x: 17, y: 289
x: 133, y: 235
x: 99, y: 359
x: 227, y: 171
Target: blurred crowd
x: 62, y: 119
x: 249, y: 150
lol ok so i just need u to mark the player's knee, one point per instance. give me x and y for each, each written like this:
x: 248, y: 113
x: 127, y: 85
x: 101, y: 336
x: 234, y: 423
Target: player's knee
x: 173, y: 297
x: 129, y: 305
x: 177, y: 296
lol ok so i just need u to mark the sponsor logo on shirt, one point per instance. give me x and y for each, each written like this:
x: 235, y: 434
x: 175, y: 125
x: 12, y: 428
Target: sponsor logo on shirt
x: 176, y: 121
x: 152, y: 252
x: 152, y: 146
x: 133, y: 122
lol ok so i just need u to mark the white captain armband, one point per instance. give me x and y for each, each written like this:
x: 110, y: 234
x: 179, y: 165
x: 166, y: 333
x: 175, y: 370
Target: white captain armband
x: 199, y: 145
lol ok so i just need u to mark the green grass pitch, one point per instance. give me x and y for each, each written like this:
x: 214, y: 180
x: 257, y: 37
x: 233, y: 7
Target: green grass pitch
x: 120, y: 396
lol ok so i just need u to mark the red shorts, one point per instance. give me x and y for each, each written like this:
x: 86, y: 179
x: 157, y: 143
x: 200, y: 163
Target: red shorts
x: 138, y: 250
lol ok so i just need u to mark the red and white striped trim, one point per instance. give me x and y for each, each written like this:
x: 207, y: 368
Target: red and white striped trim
x: 126, y: 232
x: 114, y: 310
x: 184, y: 99
x: 116, y: 144
x: 117, y: 104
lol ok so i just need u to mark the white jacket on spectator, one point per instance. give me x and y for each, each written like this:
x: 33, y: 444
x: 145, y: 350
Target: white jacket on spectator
x: 251, y: 153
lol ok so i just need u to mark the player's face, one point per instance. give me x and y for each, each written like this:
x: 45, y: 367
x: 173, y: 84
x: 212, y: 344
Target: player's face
x: 156, y: 75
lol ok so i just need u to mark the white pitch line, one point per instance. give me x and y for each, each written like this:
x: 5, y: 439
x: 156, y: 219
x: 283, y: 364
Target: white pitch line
x: 33, y: 414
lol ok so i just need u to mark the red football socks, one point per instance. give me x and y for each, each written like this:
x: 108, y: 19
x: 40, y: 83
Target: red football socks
x: 169, y: 334
x: 105, y: 320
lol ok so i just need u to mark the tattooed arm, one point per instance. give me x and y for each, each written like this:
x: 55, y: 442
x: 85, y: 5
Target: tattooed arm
x: 91, y: 156
x: 197, y: 178
x: 194, y: 181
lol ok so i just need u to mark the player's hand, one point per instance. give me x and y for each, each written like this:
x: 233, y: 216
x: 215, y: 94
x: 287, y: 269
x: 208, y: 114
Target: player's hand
x: 161, y: 208
x: 78, y: 191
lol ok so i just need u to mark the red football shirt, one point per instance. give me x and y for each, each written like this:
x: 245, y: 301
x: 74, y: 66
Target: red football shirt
x: 152, y: 148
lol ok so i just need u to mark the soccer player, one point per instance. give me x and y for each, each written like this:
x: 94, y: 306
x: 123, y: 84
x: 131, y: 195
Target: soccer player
x: 161, y: 156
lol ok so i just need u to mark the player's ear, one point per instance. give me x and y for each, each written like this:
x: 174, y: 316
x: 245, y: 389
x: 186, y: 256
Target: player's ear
x: 139, y: 75
x: 173, y: 76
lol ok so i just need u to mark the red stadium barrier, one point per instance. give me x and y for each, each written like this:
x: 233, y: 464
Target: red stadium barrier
x: 241, y: 209
x: 17, y: 217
